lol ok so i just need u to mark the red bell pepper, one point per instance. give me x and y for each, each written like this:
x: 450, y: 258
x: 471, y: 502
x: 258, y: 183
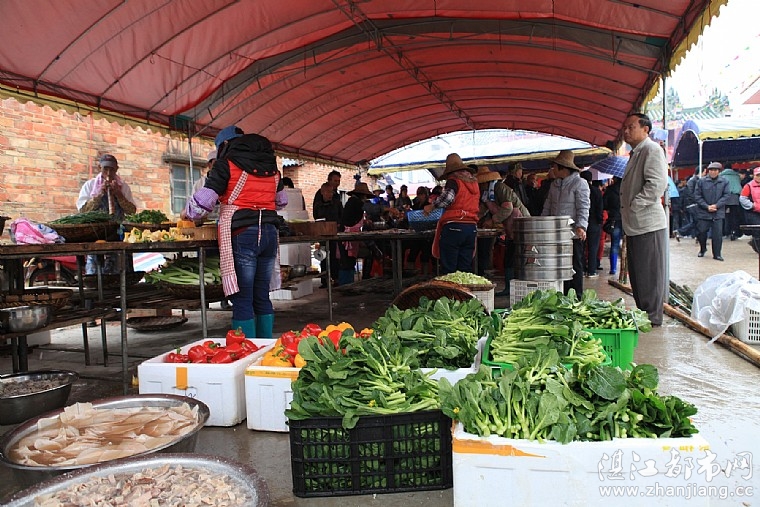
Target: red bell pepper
x: 234, y: 336
x: 235, y: 350
x: 197, y: 354
x: 249, y: 346
x: 176, y: 357
x: 335, y: 336
x: 311, y: 329
x: 222, y: 357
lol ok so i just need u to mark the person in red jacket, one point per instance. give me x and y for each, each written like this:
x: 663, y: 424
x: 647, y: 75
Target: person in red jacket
x: 245, y: 180
x: 456, y: 232
x: 750, y: 202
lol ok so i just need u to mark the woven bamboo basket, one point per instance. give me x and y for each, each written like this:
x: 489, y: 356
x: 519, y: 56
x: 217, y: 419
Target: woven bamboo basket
x: 57, y: 298
x: 434, y: 289
x: 213, y: 292
x: 87, y: 233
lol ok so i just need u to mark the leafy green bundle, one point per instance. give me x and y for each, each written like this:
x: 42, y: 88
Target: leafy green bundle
x: 444, y: 332
x: 589, y: 311
x: 542, y: 400
x: 147, y: 216
x: 186, y: 271
x: 362, y: 376
x: 88, y: 217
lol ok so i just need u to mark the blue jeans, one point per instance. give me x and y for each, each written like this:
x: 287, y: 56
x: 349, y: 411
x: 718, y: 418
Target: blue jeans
x: 617, y: 235
x: 254, y: 262
x: 457, y: 246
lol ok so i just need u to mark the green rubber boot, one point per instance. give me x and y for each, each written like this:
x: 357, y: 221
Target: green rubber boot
x: 264, y: 325
x: 247, y: 326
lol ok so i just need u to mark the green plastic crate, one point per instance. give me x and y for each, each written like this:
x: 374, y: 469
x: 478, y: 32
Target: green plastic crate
x: 619, y: 345
x: 499, y: 367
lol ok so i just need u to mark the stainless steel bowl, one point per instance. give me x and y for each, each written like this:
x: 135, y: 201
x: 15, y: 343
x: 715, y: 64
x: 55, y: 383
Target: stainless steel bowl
x: 16, y: 409
x: 297, y: 270
x: 26, y: 475
x: 22, y: 319
x: 243, y: 476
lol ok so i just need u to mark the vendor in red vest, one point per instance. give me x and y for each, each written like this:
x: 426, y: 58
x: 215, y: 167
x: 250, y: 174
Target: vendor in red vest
x: 245, y: 181
x: 455, y: 235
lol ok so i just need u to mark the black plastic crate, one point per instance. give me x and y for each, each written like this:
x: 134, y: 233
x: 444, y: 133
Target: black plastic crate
x: 382, y: 454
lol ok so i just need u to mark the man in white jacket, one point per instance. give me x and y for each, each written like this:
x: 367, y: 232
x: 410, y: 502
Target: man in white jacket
x: 569, y: 195
x: 645, y: 223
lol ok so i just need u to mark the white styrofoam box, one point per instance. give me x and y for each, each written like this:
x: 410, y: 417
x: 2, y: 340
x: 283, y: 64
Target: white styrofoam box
x: 550, y: 473
x: 748, y: 329
x: 41, y: 338
x: 518, y: 289
x: 295, y: 253
x: 299, y: 290
x: 268, y: 392
x: 220, y: 386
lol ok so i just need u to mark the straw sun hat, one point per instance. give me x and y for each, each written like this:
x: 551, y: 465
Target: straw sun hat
x: 485, y: 175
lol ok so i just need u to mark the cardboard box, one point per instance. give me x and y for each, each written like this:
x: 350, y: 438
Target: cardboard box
x: 203, y: 233
x: 220, y: 386
x: 268, y: 392
x: 537, y: 474
x: 321, y: 228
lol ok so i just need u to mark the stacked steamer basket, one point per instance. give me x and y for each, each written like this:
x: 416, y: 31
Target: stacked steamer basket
x: 544, y: 255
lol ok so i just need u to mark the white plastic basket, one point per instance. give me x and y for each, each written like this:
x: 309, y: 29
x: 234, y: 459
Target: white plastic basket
x: 518, y: 289
x: 748, y: 330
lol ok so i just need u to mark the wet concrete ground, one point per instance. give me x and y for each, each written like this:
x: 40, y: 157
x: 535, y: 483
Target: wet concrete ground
x: 723, y: 386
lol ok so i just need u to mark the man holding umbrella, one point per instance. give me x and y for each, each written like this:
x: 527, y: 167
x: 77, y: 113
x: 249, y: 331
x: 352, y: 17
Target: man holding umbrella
x: 644, y: 220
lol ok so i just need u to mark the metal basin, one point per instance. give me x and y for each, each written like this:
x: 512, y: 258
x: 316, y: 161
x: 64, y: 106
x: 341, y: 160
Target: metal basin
x: 19, y: 408
x: 297, y: 270
x: 22, y: 319
x: 245, y: 477
x: 26, y: 475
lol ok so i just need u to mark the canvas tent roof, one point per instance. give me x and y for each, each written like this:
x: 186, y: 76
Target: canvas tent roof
x: 723, y: 140
x: 344, y: 80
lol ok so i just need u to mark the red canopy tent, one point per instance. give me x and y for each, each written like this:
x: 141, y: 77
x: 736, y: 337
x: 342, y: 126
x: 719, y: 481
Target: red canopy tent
x: 344, y: 80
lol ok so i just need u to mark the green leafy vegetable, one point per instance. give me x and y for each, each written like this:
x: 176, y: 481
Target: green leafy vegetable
x: 542, y: 400
x: 464, y: 278
x: 444, y: 332
x: 363, y: 376
x: 148, y: 216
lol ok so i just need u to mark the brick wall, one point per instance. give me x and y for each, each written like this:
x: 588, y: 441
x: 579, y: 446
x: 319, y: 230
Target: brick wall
x: 47, y: 153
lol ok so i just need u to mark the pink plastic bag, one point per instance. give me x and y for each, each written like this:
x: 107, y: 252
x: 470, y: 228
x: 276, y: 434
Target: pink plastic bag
x: 26, y: 232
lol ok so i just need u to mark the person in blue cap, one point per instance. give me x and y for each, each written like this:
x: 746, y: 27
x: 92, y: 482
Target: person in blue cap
x: 245, y: 180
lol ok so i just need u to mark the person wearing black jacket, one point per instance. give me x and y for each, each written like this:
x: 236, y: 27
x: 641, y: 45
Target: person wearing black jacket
x: 594, y: 229
x: 245, y: 180
x: 614, y: 225
x: 712, y: 195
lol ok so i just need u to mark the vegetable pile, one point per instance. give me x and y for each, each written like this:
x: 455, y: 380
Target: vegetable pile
x: 463, y: 278
x: 143, y: 236
x: 185, y: 271
x: 89, y: 217
x: 444, y: 332
x: 236, y: 346
x: 546, y: 320
x: 541, y: 400
x: 285, y: 351
x: 361, y: 376
x: 589, y: 311
x: 147, y: 216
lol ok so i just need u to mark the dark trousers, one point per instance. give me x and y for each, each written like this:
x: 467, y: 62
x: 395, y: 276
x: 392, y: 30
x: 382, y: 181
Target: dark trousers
x: 733, y: 221
x: 715, y: 226
x: 593, y: 234
x: 646, y: 269
x: 576, y: 282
